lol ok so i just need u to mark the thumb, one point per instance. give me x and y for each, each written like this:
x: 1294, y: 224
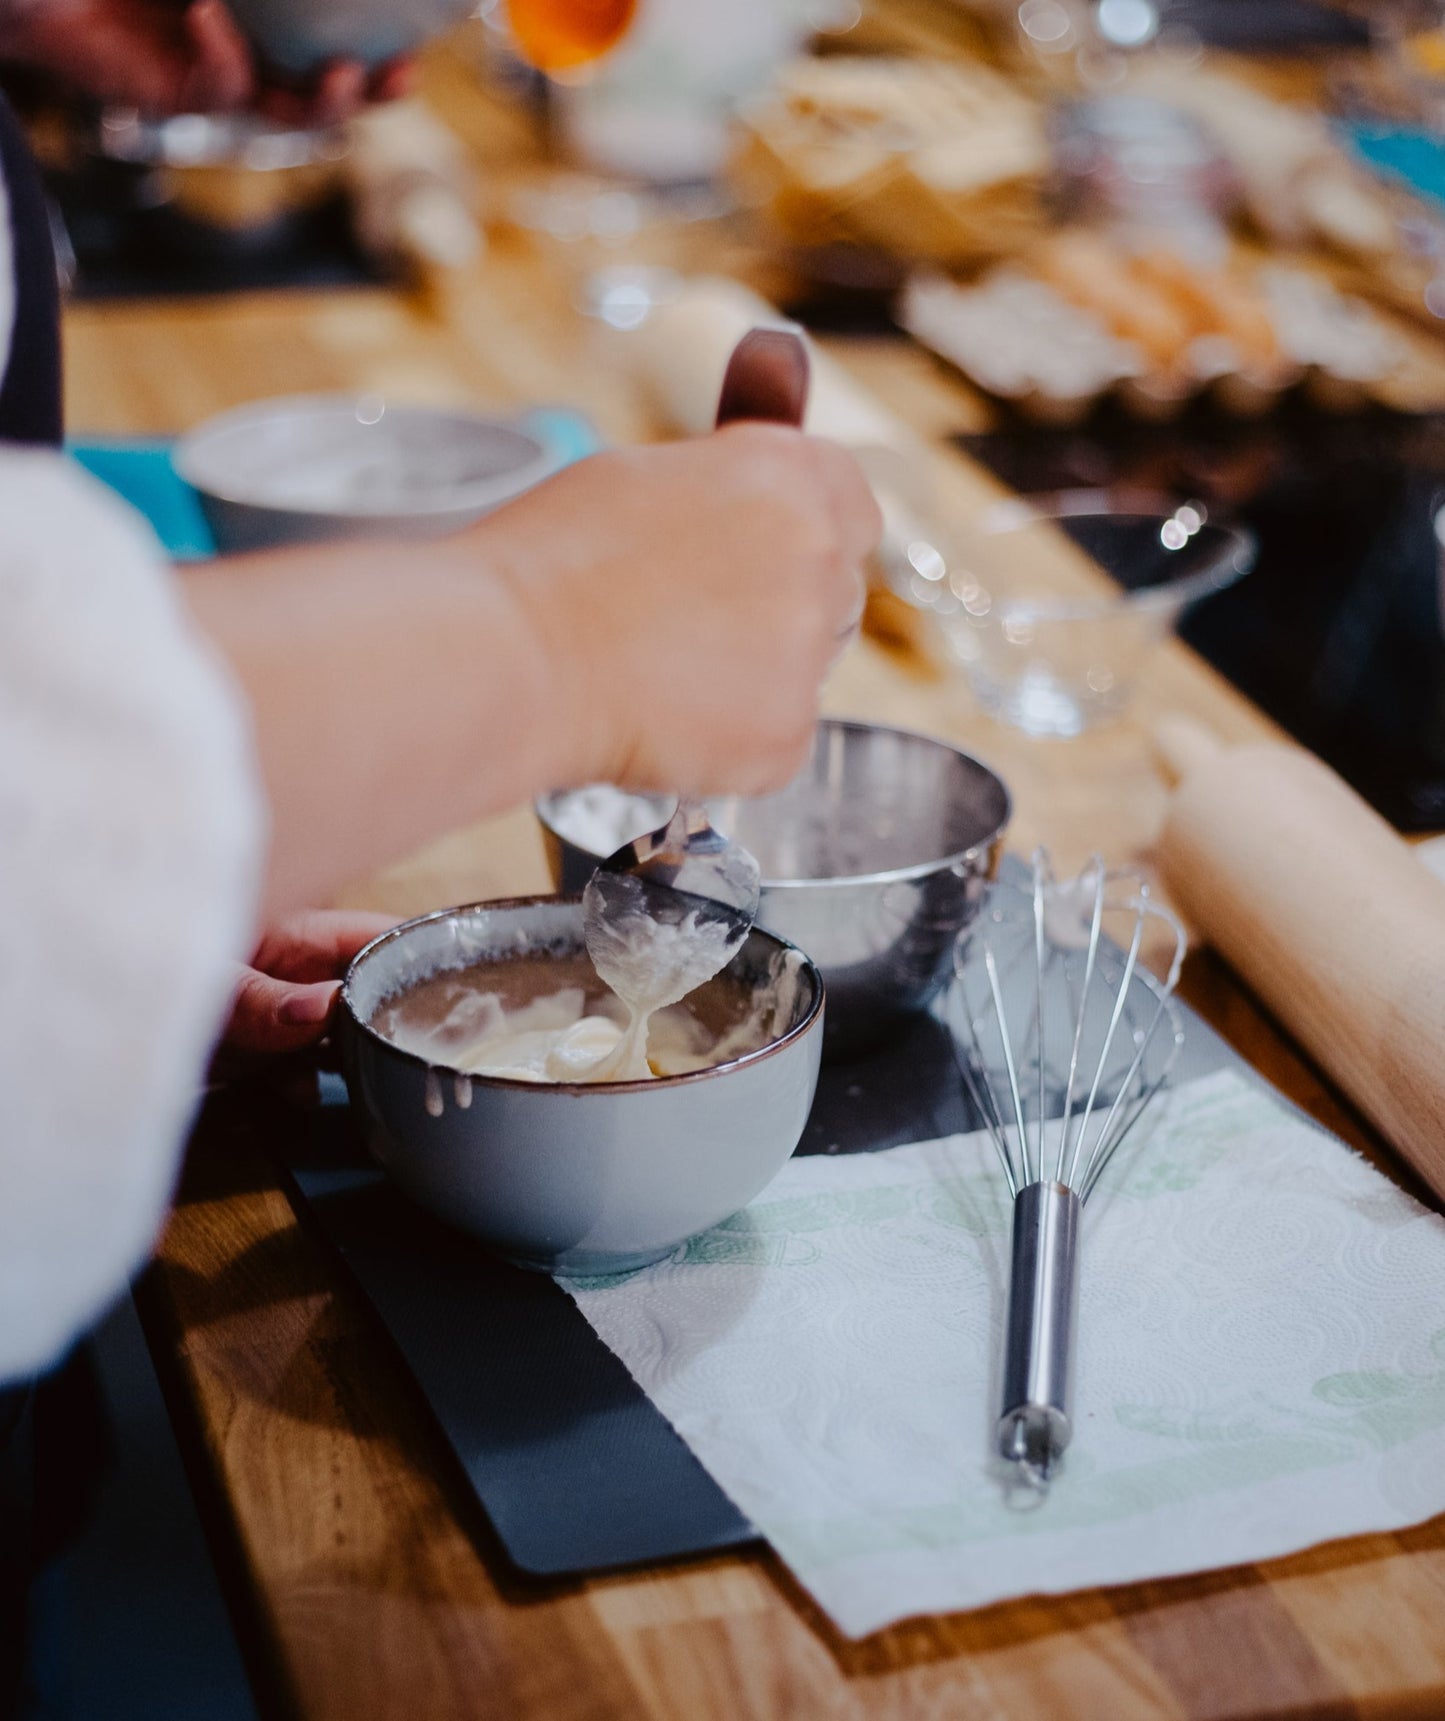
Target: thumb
x: 269, y: 1015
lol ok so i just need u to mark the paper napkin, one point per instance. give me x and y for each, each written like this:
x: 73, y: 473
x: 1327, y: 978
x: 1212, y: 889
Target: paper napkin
x: 1261, y: 1361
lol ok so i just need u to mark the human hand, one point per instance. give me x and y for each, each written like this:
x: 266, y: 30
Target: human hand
x: 688, y: 600
x: 164, y: 58
x: 285, y: 998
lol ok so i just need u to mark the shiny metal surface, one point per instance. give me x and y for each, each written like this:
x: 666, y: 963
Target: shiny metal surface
x: 1034, y: 1422
x: 687, y: 878
x: 873, y: 859
x: 1064, y: 1039
x: 565, y: 1177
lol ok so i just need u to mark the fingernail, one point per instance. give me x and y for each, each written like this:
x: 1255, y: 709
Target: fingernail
x: 307, y: 1005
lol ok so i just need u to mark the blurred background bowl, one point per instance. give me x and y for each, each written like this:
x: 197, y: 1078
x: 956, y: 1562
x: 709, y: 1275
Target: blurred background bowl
x: 873, y: 859
x: 1048, y: 643
x: 571, y: 1177
x: 300, y: 36
x: 308, y: 468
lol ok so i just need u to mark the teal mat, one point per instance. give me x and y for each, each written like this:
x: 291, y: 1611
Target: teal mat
x: 140, y: 470
x: 1409, y: 154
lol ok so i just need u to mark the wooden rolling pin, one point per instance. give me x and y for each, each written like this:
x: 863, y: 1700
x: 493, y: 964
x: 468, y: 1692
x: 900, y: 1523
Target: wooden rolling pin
x: 1326, y: 914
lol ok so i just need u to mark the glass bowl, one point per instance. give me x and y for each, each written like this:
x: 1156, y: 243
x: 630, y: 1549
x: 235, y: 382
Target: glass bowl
x: 1052, y: 604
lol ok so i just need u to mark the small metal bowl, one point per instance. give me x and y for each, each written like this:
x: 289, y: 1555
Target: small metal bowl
x: 569, y: 1177
x: 874, y: 858
x: 309, y: 468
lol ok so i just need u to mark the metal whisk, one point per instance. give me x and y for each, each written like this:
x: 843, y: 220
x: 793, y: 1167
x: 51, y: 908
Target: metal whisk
x: 1060, y: 1047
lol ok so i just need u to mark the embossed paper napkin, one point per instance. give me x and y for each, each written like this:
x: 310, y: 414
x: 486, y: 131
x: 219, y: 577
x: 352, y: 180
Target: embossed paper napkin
x: 1261, y: 1361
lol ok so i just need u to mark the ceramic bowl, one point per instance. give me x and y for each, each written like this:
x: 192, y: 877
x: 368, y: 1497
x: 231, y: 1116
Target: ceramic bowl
x: 874, y: 858
x: 300, y: 36
x: 573, y: 1178
x: 310, y: 468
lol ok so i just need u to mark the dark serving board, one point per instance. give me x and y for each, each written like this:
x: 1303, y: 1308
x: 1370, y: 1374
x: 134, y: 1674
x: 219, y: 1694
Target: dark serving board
x: 571, y: 1463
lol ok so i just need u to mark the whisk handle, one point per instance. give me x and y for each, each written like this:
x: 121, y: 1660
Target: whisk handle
x: 1035, y: 1419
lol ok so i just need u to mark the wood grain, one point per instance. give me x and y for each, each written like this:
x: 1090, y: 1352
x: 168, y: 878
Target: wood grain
x: 369, y: 1584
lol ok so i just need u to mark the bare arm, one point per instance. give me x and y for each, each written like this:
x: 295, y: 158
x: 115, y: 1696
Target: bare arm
x: 394, y: 692
x: 661, y: 617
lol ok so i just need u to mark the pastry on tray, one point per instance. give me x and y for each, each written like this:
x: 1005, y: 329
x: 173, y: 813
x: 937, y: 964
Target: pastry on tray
x: 1080, y: 316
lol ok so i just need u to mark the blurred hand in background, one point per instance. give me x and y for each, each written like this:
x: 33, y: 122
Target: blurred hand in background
x: 168, y: 58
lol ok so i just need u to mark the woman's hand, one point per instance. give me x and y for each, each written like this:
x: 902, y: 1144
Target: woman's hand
x: 687, y: 601
x: 655, y: 616
x: 167, y: 58
x: 285, y: 999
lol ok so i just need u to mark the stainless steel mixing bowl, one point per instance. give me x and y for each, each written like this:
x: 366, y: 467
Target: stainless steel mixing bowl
x: 566, y: 1177
x: 874, y: 858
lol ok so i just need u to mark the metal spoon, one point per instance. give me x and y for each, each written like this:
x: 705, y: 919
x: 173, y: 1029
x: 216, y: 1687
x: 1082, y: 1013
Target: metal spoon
x: 673, y: 907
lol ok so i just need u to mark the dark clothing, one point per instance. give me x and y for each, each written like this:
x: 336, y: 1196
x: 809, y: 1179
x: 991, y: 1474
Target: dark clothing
x: 30, y: 387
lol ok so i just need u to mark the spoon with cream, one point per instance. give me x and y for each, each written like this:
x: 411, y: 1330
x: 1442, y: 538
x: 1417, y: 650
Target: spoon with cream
x: 671, y: 909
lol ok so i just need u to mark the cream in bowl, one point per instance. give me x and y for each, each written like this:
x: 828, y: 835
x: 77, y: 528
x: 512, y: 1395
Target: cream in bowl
x: 550, y: 1019
x: 469, y: 1039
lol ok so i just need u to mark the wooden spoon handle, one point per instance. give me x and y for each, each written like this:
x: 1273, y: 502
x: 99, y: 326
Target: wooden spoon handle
x: 766, y: 378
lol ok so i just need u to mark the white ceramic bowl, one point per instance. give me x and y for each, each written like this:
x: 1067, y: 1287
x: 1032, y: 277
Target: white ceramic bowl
x: 567, y: 1177
x: 308, y: 468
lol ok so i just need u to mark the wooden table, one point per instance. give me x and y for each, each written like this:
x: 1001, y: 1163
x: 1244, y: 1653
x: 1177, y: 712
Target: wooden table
x: 365, y: 1583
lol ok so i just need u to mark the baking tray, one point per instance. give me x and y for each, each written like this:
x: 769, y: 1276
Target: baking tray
x: 569, y: 1460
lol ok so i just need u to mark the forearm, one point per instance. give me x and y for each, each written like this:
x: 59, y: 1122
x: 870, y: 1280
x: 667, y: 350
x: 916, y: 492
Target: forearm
x: 396, y: 692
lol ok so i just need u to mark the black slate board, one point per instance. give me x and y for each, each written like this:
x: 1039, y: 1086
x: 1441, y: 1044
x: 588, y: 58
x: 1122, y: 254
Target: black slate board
x: 573, y: 1466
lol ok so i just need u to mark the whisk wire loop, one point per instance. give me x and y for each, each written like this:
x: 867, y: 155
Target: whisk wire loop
x: 980, y: 1091
x: 1025, y: 1175
x: 1131, y: 963
x: 1096, y: 921
x: 1043, y: 882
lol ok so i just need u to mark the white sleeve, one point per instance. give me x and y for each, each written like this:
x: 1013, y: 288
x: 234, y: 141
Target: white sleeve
x: 131, y: 836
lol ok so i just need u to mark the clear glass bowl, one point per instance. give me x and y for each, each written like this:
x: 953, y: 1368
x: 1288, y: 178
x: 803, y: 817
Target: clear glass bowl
x: 1053, y: 603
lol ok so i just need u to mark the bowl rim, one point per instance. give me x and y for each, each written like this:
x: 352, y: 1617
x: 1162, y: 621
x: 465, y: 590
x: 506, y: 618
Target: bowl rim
x: 1235, y: 557
x: 885, y: 875
x: 653, y: 1084
x: 188, y: 453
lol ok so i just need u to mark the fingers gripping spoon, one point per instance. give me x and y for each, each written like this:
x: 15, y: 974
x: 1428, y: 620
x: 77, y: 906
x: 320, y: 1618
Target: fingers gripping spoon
x: 671, y: 909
